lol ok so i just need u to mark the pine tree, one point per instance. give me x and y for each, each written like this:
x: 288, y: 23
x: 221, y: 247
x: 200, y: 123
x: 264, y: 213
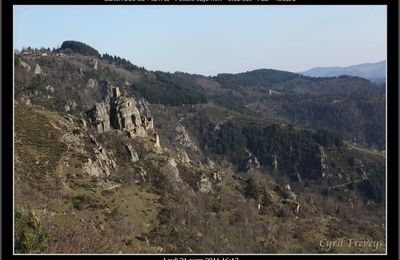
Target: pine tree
x: 266, y: 200
x: 252, y: 189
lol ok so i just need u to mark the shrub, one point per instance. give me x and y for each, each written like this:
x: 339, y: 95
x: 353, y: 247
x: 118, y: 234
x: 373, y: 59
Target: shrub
x: 82, y: 238
x: 252, y: 189
x: 30, y: 236
x: 266, y: 200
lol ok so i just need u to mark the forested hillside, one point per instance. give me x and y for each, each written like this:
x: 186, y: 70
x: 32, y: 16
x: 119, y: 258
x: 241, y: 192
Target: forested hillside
x: 113, y: 158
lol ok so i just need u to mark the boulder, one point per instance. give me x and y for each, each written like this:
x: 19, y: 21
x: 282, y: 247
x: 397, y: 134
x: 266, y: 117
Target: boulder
x: 288, y: 193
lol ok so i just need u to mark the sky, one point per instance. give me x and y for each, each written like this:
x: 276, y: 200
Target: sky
x: 213, y: 39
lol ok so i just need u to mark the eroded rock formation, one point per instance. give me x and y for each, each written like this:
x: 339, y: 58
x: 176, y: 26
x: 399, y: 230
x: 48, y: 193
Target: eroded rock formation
x: 100, y: 117
x: 126, y: 114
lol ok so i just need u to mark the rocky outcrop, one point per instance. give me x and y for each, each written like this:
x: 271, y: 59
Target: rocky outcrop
x: 100, y: 165
x: 124, y: 113
x: 107, y: 184
x: 171, y: 172
x: 129, y: 118
x: 26, y: 100
x: 286, y: 192
x: 83, y: 124
x: 49, y: 88
x: 205, y: 185
x: 71, y: 105
x: 252, y: 162
x: 156, y: 139
x: 94, y: 63
x: 361, y: 168
x: 217, y: 176
x: 184, y: 139
x: 100, y: 117
x: 143, y: 107
x: 132, y: 153
x: 38, y: 69
x: 275, y: 163
x: 323, y: 158
x: 69, y: 138
x: 127, y: 115
x: 183, y: 156
x: 143, y: 174
x: 25, y: 65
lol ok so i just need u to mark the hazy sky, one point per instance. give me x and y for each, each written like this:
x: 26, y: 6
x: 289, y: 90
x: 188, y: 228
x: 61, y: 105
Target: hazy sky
x: 213, y: 39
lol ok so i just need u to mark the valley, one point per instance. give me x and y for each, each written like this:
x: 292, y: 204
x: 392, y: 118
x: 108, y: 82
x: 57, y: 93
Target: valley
x: 113, y: 158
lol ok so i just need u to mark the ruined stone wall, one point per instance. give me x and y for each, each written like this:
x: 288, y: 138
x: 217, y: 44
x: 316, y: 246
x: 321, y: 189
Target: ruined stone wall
x: 123, y: 113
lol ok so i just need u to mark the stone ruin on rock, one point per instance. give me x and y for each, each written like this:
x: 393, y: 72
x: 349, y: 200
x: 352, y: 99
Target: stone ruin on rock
x: 123, y: 113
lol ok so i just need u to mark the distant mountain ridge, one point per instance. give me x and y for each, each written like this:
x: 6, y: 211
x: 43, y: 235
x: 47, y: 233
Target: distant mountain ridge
x: 375, y: 72
x: 114, y: 158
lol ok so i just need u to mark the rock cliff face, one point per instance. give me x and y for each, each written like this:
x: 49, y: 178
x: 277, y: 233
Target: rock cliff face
x: 124, y: 113
x: 184, y: 139
x: 100, y: 117
x: 102, y: 162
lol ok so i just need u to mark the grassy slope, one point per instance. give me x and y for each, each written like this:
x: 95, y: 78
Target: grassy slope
x: 63, y: 202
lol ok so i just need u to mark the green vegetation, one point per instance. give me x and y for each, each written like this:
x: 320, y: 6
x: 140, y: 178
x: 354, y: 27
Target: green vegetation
x: 262, y: 77
x: 170, y: 89
x: 297, y: 150
x: 252, y: 189
x: 30, y: 236
x: 355, y: 116
x: 266, y: 200
x: 231, y: 102
x: 120, y: 62
x: 37, y: 138
x: 80, y: 47
x: 81, y: 202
